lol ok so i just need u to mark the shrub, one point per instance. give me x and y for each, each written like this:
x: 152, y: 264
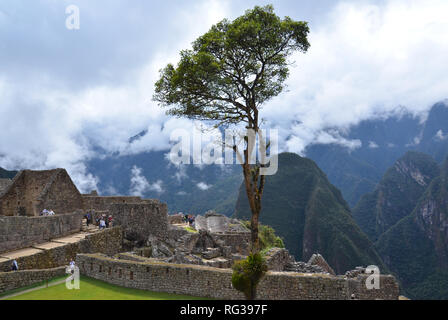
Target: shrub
x: 248, y: 273
x: 268, y: 238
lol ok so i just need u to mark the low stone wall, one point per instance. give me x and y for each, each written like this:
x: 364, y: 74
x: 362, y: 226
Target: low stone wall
x: 20, y: 279
x: 108, y: 242
x: 240, y: 242
x: 22, y: 232
x: 215, y: 283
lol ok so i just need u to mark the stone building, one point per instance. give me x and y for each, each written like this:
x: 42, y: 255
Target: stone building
x: 32, y: 191
x: 4, y: 183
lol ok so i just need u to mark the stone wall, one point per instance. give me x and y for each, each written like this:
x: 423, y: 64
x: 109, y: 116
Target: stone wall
x: 240, y: 242
x: 209, y: 282
x: 176, y: 219
x: 277, y: 259
x: 97, y: 203
x: 22, y: 232
x: 108, y: 242
x: 60, y: 195
x: 139, y: 221
x: 20, y: 279
x: 4, y: 184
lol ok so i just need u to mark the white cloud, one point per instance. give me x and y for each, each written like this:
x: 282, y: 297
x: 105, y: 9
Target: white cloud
x: 365, y: 61
x: 58, y: 124
x: 140, y: 185
x: 440, y: 136
x: 203, y: 186
x: 373, y: 145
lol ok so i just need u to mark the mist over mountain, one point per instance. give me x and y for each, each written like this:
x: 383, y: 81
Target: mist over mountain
x: 186, y: 188
x: 357, y: 171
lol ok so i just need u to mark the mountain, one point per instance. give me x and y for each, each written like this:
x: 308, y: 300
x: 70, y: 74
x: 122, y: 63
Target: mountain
x: 311, y: 216
x: 189, y: 188
x: 416, y: 248
x: 355, y: 172
x: 5, y: 174
x: 382, y: 142
x: 396, y: 195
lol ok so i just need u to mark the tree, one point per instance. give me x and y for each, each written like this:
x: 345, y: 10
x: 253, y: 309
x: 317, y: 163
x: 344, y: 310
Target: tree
x: 227, y: 76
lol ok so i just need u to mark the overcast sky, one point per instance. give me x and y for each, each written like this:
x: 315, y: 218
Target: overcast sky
x: 66, y: 93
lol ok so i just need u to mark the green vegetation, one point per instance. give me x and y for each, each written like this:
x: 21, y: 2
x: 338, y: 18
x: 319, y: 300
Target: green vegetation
x: 268, y: 238
x: 190, y: 229
x: 36, y: 285
x: 396, y: 195
x: 248, y: 273
x: 414, y: 248
x: 311, y: 216
x: 92, y: 289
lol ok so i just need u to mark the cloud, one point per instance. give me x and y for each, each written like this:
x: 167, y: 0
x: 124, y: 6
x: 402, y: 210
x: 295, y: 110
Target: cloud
x: 366, y: 60
x: 373, y: 145
x: 70, y: 96
x: 440, y: 136
x: 140, y: 185
x: 65, y: 95
x: 203, y: 186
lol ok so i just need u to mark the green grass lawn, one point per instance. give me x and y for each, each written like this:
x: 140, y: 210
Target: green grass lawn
x: 91, y: 289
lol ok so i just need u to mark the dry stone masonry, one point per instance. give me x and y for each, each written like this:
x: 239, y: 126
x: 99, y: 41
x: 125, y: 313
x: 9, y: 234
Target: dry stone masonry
x: 22, y: 232
x: 20, y: 279
x: 147, y: 249
x: 216, y: 283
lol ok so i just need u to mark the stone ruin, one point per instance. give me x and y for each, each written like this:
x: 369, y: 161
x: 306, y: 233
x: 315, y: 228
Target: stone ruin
x: 148, y: 231
x: 145, y: 233
x: 219, y: 242
x: 210, y: 246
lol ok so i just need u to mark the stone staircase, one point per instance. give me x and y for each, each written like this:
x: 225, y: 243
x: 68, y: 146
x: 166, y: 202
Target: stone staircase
x: 90, y: 228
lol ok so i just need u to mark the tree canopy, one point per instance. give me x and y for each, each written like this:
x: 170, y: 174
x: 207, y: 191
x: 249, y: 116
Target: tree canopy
x: 233, y: 69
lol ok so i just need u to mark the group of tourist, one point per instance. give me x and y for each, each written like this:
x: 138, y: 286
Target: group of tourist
x: 102, y: 222
x: 190, y: 220
x: 105, y: 221
x: 47, y: 213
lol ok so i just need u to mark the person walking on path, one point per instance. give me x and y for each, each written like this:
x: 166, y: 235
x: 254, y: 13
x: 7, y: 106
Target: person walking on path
x: 15, y: 266
x: 72, y: 266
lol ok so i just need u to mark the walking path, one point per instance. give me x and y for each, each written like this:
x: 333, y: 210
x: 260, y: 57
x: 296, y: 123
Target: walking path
x: 55, y: 243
